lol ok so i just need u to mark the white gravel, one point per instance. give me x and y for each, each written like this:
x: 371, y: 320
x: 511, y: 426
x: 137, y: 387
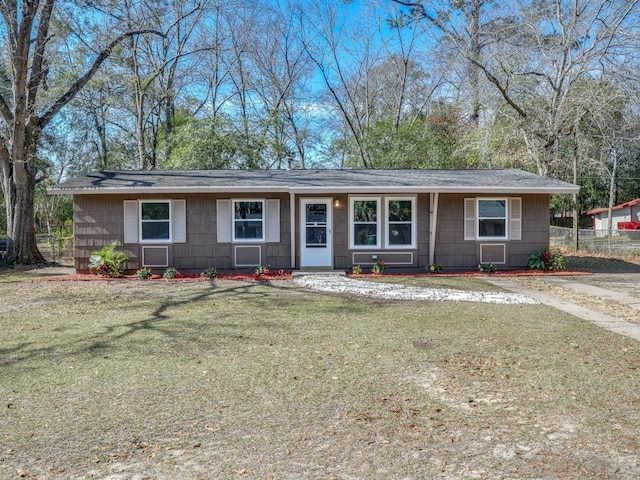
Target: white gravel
x: 341, y: 284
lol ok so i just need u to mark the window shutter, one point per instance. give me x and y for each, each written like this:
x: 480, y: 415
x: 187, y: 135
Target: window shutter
x: 515, y: 219
x: 273, y: 220
x: 470, y: 219
x: 224, y: 221
x: 179, y: 220
x: 131, y: 221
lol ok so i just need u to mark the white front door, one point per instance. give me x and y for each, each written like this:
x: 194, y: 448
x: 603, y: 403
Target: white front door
x: 315, y: 233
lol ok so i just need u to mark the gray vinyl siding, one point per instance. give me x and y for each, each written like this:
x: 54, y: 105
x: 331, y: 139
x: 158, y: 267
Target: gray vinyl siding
x: 422, y: 255
x: 341, y: 258
x: 99, y: 220
x: 452, y: 251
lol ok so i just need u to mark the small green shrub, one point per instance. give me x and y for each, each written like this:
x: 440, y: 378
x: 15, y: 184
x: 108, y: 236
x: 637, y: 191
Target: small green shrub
x: 379, y: 268
x: 545, y: 260
x: 262, y: 270
x: 144, y: 273
x: 558, y: 262
x: 108, y: 262
x: 170, y: 273
x: 356, y: 269
x: 433, y: 268
x: 211, y: 272
x: 487, y: 267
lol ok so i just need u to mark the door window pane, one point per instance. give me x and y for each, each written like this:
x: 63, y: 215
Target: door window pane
x: 316, y: 237
x: 316, y: 213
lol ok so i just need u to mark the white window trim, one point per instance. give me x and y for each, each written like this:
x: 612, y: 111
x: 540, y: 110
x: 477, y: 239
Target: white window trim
x: 233, y: 220
x: 169, y: 220
x: 414, y: 227
x: 379, y: 231
x: 506, y: 218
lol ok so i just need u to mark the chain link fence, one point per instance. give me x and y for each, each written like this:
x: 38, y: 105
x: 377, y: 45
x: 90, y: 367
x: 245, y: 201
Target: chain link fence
x: 56, y: 249
x: 52, y: 248
x: 624, y: 243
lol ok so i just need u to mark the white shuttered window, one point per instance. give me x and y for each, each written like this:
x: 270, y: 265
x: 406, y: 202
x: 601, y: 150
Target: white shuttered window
x: 253, y: 220
x: 493, y: 218
x: 155, y: 221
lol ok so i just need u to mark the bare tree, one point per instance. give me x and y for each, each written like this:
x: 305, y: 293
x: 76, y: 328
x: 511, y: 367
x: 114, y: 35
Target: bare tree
x: 157, y: 66
x: 281, y: 67
x: 26, y: 38
x: 534, y: 54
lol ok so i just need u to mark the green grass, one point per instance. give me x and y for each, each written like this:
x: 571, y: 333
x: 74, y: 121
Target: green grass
x: 240, y: 380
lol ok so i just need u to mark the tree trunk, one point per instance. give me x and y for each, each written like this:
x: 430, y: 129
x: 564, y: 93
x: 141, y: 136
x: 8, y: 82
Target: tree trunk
x: 140, y: 133
x: 475, y: 51
x: 21, y: 235
x: 612, y: 190
x: 576, y: 211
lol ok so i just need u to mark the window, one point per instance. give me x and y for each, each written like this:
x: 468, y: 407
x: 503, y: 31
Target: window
x: 248, y: 220
x: 400, y: 222
x: 382, y: 222
x: 155, y: 221
x: 492, y: 218
x: 365, y: 214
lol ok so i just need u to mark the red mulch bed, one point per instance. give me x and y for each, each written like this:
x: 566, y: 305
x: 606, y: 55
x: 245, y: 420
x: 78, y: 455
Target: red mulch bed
x: 179, y: 277
x: 244, y: 276
x: 499, y: 273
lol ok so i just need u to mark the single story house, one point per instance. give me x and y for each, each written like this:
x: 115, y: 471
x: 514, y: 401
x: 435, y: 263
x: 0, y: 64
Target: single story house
x: 625, y: 212
x: 313, y: 219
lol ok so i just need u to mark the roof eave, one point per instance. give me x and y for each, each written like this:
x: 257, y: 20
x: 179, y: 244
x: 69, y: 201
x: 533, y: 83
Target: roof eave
x: 313, y: 190
x: 162, y: 190
x: 436, y: 189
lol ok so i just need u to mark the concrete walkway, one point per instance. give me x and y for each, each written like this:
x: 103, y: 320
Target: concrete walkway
x: 616, y: 296
x: 605, y: 321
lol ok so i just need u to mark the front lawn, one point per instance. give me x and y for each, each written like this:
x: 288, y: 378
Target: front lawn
x: 225, y: 379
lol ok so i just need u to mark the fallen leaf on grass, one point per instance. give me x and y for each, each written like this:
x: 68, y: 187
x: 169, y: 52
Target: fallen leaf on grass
x: 366, y: 416
x: 423, y: 345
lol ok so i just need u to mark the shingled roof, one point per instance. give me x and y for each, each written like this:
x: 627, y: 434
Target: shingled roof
x: 313, y: 181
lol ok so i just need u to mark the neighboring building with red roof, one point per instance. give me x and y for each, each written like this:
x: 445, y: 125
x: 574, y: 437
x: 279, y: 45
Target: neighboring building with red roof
x: 625, y: 212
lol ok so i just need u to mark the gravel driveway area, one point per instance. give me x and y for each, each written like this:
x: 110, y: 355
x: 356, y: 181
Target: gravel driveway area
x: 388, y: 291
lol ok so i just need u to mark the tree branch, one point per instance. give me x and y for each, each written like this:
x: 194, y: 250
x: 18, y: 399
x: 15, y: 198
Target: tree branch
x: 5, y: 110
x: 503, y: 91
x: 38, y: 73
x: 82, y: 81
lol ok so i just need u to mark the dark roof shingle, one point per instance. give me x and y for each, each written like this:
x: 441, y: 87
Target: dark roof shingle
x: 313, y: 181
